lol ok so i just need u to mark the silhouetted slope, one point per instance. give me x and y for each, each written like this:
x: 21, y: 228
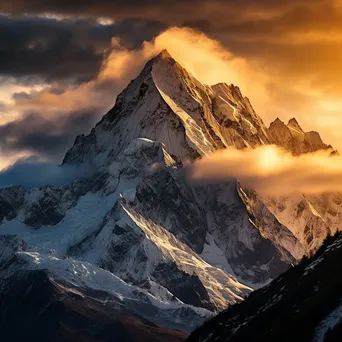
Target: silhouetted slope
x: 304, y: 304
x: 36, y: 308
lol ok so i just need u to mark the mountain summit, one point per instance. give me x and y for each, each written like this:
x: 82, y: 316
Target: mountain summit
x: 171, y: 252
x: 166, y: 103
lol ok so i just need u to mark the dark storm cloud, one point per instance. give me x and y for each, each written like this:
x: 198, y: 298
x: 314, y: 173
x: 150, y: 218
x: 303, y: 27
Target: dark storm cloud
x: 35, y: 49
x: 21, y: 96
x: 49, y: 138
x: 249, y: 28
x: 147, y: 8
x: 48, y: 49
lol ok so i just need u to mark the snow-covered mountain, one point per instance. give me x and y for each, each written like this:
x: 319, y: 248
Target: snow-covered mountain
x: 162, y: 308
x: 165, y: 103
x: 47, y: 297
x: 303, y: 304
x: 137, y: 221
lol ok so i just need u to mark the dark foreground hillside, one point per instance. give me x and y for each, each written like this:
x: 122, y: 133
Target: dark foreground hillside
x: 34, y: 307
x: 304, y: 304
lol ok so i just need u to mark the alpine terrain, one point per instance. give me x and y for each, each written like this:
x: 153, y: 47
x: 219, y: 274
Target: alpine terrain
x: 135, y: 249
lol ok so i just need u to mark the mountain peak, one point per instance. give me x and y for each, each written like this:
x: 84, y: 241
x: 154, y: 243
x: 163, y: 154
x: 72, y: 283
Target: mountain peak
x: 277, y: 121
x: 293, y: 123
x: 163, y: 56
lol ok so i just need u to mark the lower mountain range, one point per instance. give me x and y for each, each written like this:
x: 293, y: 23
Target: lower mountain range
x: 134, y: 251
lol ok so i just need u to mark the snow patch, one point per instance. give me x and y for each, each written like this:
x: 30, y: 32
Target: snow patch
x: 329, y: 322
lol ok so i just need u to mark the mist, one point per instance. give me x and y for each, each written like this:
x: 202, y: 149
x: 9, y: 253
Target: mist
x: 29, y: 173
x: 271, y: 170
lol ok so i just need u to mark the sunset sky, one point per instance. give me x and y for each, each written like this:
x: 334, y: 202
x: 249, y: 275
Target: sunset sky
x: 63, y: 62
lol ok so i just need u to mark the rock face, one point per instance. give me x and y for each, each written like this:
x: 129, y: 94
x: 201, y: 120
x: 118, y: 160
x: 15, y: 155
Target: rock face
x: 303, y: 304
x: 192, y: 248
x: 294, y: 139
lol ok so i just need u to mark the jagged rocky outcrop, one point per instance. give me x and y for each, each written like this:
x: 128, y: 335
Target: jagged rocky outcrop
x: 294, y: 139
x: 303, y: 304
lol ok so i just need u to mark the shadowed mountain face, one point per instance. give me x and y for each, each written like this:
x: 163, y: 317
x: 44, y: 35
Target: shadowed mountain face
x: 34, y: 307
x: 67, y: 278
x: 174, y: 253
x: 303, y: 304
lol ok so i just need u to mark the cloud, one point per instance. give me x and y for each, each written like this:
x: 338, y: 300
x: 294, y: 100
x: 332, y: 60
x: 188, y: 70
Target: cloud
x: 49, y: 82
x: 44, y: 120
x: 167, y: 10
x: 246, y: 19
x: 47, y: 138
x: 41, y: 49
x: 272, y: 171
x: 38, y: 49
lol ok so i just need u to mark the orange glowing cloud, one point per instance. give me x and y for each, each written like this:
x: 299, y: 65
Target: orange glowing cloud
x: 271, y: 170
x: 204, y: 57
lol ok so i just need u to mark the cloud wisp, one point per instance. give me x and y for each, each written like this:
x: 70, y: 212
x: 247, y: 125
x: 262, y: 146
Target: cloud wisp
x: 271, y: 170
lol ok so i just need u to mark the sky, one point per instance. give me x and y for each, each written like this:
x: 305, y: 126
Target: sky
x: 63, y: 62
